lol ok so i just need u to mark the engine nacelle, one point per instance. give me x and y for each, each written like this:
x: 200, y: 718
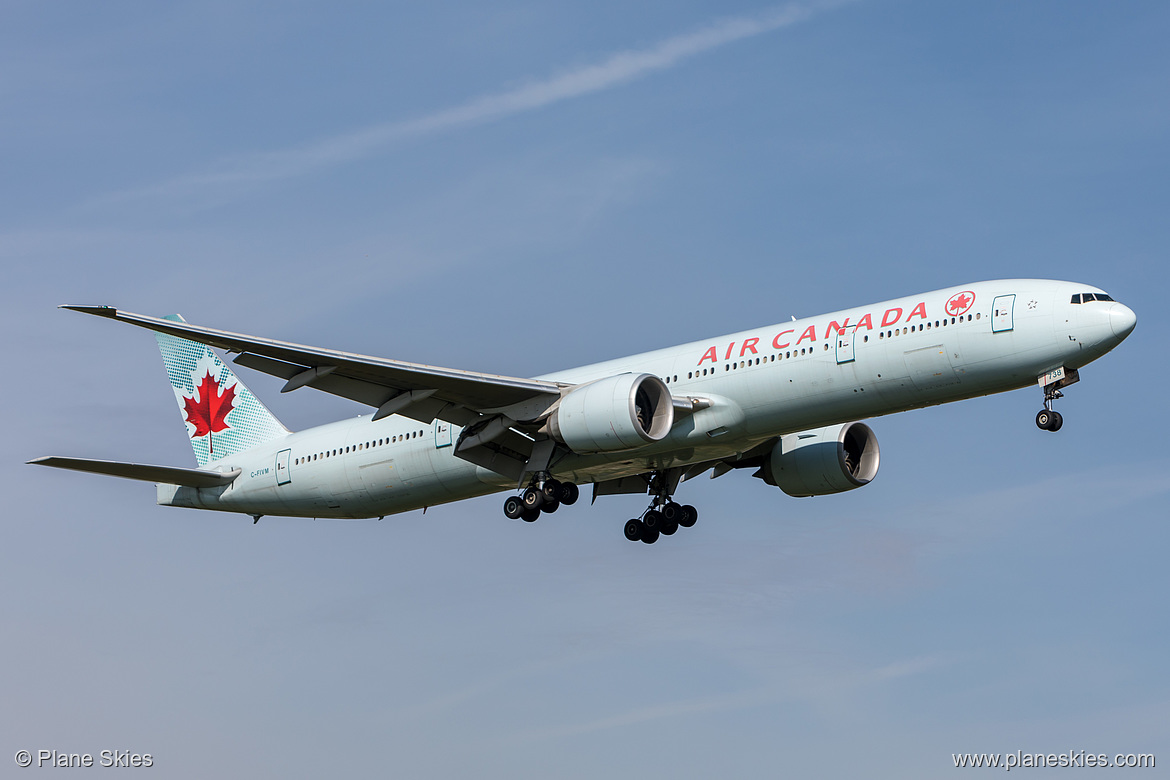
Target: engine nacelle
x: 823, y: 461
x: 616, y: 413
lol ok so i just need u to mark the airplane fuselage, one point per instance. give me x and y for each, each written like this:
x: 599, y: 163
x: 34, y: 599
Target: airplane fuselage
x: 908, y: 353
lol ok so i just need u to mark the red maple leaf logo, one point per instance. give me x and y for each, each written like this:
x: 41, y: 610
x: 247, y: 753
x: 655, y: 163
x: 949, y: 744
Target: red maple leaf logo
x: 209, y: 409
x: 959, y: 303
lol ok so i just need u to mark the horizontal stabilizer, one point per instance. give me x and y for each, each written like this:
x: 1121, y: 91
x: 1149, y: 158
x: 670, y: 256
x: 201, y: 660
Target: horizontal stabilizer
x: 169, y: 475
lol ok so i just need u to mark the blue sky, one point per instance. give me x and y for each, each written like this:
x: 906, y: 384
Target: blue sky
x: 532, y: 186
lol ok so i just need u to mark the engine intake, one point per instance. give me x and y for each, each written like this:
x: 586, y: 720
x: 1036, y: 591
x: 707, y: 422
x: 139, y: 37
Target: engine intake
x: 823, y: 461
x: 616, y: 413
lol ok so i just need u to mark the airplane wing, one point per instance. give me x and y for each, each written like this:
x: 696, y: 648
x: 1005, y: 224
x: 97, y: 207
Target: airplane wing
x: 167, y: 474
x: 391, y: 386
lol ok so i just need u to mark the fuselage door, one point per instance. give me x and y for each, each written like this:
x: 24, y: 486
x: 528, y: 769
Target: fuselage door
x: 442, y: 434
x: 283, y: 475
x: 845, y: 349
x: 1002, y: 317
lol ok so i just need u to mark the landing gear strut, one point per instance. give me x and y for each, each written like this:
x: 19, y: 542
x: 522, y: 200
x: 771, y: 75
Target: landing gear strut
x: 662, y: 517
x: 543, y: 494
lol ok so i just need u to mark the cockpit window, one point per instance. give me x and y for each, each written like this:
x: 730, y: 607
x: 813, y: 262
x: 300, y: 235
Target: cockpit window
x: 1087, y: 297
x: 1076, y: 298
x: 1103, y: 297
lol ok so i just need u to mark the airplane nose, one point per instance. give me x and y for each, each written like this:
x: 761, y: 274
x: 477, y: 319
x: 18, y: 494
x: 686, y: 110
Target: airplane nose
x: 1122, y: 320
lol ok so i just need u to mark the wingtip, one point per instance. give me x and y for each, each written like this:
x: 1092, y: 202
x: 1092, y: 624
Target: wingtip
x: 101, y: 311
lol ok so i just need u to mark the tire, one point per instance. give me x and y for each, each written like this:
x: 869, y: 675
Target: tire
x: 533, y: 498
x: 513, y: 507
x: 550, y: 506
x: 689, y: 516
x: 668, y: 527
x: 1057, y: 422
x: 530, y: 515
x: 633, y: 530
x: 569, y: 493
x: 653, y: 520
x: 672, y: 512
x: 551, y: 490
x: 649, y: 537
x: 1044, y: 420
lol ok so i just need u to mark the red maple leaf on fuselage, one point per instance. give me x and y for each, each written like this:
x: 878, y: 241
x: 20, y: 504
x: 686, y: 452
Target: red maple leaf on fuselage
x: 959, y: 304
x: 209, y: 413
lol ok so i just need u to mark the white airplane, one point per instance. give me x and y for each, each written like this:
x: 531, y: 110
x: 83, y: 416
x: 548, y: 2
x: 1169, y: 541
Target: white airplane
x: 783, y: 400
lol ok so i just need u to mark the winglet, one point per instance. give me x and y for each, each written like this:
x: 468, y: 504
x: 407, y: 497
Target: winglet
x: 101, y: 311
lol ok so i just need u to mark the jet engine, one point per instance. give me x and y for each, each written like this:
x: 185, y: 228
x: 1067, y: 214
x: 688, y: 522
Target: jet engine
x: 823, y: 461
x: 616, y: 413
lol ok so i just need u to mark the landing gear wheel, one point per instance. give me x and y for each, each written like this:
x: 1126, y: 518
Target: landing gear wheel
x: 551, y: 489
x: 653, y: 521
x: 550, y: 506
x: 530, y: 515
x: 633, y: 530
x: 689, y: 516
x: 671, y: 511
x: 1044, y: 420
x: 649, y: 536
x: 532, y: 498
x: 569, y: 493
x: 1057, y: 421
x: 513, y: 507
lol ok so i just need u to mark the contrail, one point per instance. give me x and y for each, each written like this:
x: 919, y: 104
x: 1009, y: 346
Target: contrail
x: 615, y: 70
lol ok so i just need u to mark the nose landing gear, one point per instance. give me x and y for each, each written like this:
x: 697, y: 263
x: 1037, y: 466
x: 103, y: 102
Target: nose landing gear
x: 1051, y: 383
x: 1048, y: 420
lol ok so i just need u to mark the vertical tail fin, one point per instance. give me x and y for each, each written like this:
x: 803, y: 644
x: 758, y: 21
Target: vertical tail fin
x: 223, y: 417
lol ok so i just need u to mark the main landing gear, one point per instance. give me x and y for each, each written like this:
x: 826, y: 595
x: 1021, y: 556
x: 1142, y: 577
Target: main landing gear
x: 662, y: 517
x: 545, y: 495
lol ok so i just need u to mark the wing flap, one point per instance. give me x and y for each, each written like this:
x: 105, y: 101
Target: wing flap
x: 169, y: 475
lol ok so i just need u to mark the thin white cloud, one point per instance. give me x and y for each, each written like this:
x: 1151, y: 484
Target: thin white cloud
x: 615, y: 70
